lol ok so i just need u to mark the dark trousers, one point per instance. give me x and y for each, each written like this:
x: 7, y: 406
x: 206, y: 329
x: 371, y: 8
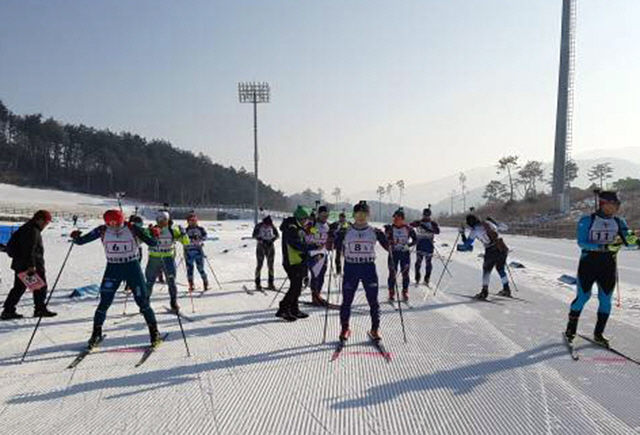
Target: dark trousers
x: 403, y: 260
x: 296, y: 274
x: 265, y: 251
x: 338, y: 260
x: 428, y: 265
x: 39, y: 296
x: 195, y: 256
x: 317, y: 282
x: 353, y: 274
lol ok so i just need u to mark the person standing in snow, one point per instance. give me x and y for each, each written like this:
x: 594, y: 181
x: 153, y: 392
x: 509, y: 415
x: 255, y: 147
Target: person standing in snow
x: 426, y: 229
x: 27, y: 255
x: 295, y: 255
x: 495, y: 253
x: 601, y: 235
x: 122, y: 248
x: 341, y: 226
x: 319, y: 235
x: 359, y: 243
x: 401, y: 238
x: 162, y: 256
x: 265, y: 234
x: 194, y: 251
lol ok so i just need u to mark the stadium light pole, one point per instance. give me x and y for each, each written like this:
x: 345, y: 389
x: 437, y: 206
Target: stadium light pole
x: 564, y: 113
x: 255, y: 93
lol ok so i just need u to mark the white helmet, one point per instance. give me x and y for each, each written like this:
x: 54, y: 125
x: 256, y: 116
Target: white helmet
x: 162, y: 216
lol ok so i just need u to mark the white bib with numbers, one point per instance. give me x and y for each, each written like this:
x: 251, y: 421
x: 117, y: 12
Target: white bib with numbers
x: 400, y: 238
x: 603, y: 231
x: 165, y: 242
x: 120, y: 246
x: 360, y: 245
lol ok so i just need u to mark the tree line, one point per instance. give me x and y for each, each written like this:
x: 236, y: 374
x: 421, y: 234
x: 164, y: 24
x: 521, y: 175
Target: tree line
x: 46, y: 153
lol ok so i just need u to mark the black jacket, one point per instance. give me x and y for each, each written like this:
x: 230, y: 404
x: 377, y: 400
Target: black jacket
x: 29, y: 251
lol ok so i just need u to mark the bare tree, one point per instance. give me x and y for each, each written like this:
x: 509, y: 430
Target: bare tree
x: 509, y: 164
x: 600, y: 173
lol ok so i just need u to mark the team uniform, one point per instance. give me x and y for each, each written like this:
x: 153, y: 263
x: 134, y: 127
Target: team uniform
x: 162, y: 259
x: 401, y: 239
x: 598, y: 237
x: 266, y: 234
x: 495, y: 255
x: 358, y: 246
x: 425, y: 233
x: 121, y: 247
x: 194, y: 254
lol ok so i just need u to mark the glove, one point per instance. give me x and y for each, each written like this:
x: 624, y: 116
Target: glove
x: 614, y: 247
x: 75, y: 234
x: 155, y: 231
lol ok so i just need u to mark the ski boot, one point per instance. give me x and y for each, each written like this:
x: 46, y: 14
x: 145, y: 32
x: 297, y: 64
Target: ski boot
x: 205, y: 285
x: 10, y: 315
x: 43, y: 312
x: 405, y: 295
x: 375, y: 335
x: 175, y: 307
x: 258, y: 285
x: 191, y: 286
x: 154, y: 335
x: 483, y: 294
x: 506, y: 291
x: 427, y: 281
x: 318, y: 301
x: 344, y: 334
x: 572, y: 326
x: 286, y: 315
x: 417, y: 280
x: 598, y: 336
x: 96, y: 336
x: 299, y: 314
x: 392, y: 296
x: 271, y: 285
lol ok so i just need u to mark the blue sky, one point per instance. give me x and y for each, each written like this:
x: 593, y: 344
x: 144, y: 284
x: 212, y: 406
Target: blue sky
x: 363, y: 92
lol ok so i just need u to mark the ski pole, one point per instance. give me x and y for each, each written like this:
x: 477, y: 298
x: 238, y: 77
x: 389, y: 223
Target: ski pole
x: 619, y: 296
x: 126, y: 298
x: 279, y: 290
x: 64, y: 263
x: 213, y: 272
x: 326, y: 314
x: 442, y: 260
x: 511, y: 276
x: 395, y: 289
x: 453, y: 248
x: 184, y: 336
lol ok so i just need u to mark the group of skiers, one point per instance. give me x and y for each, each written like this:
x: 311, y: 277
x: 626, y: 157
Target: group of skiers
x: 308, y: 243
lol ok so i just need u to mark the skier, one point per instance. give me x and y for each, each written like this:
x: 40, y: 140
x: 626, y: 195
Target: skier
x: 401, y: 238
x: 359, y: 244
x: 121, y: 246
x: 295, y: 253
x: 600, y: 236
x: 341, y: 226
x: 495, y: 253
x: 162, y: 256
x: 319, y: 235
x: 194, y: 251
x: 426, y: 229
x: 27, y: 255
x: 266, y: 234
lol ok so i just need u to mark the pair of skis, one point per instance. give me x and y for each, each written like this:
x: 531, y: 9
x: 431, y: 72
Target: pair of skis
x: 394, y: 305
x: 252, y: 292
x: 377, y: 343
x: 575, y: 355
x: 148, y: 351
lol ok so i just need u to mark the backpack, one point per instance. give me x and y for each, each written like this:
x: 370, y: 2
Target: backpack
x: 12, y: 245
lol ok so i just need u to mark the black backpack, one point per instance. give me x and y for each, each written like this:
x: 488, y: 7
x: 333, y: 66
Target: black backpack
x: 12, y: 249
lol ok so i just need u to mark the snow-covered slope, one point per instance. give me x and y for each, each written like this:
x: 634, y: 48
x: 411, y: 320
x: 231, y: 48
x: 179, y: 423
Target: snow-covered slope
x: 469, y: 367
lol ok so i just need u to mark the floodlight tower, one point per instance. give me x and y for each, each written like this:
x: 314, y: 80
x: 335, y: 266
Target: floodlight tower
x: 564, y: 113
x: 255, y: 93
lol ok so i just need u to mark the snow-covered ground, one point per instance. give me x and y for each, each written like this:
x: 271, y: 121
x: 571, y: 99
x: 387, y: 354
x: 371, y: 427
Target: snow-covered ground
x: 468, y: 368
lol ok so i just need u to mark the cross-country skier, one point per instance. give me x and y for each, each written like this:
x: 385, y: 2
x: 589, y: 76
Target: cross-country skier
x: 162, y: 256
x: 600, y: 236
x: 265, y: 234
x: 319, y: 235
x: 194, y: 251
x: 121, y: 246
x: 27, y: 255
x: 359, y: 244
x: 295, y: 255
x: 426, y: 229
x: 495, y: 253
x: 401, y: 238
x: 341, y: 226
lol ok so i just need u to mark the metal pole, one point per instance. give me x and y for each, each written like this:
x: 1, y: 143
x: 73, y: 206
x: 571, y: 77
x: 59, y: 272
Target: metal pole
x: 255, y: 156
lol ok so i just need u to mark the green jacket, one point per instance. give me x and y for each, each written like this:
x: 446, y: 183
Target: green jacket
x: 166, y: 242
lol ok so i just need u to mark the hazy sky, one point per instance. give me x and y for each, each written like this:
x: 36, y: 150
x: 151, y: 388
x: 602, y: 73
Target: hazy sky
x: 363, y: 92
